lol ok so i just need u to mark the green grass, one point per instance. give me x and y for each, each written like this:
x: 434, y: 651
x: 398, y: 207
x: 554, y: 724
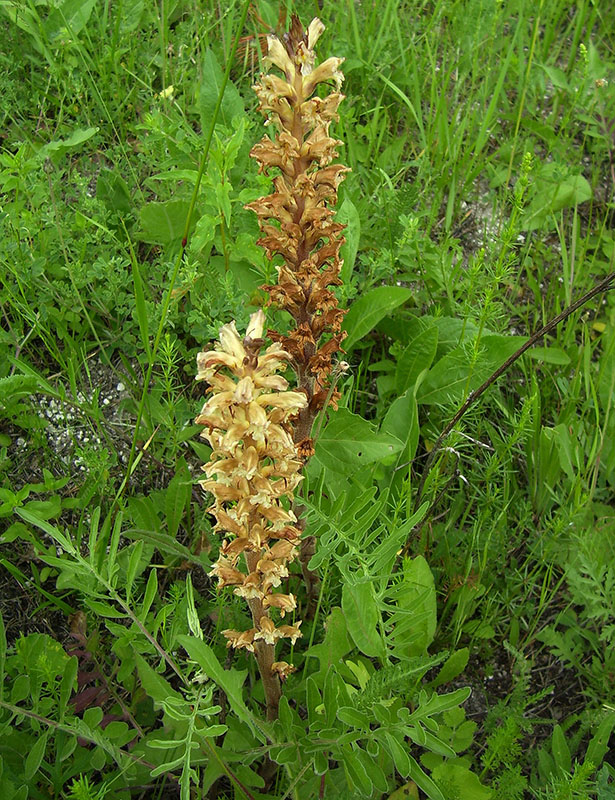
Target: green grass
x: 480, y: 137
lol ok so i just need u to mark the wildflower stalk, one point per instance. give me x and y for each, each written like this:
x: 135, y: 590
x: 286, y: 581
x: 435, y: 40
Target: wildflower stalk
x: 260, y: 432
x: 297, y: 222
x: 252, y: 474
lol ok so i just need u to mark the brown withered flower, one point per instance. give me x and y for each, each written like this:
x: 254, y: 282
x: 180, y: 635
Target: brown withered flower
x: 297, y: 219
x: 252, y: 474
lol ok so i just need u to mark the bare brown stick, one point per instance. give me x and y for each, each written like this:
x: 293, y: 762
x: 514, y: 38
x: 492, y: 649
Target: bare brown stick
x: 603, y: 286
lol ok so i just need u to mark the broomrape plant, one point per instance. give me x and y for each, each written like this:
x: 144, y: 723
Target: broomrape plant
x: 260, y: 433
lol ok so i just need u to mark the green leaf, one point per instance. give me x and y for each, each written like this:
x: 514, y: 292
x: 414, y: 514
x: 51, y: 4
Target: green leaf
x: 352, y: 716
x: 414, y: 615
x: 112, y: 190
x: 177, y: 497
x: 452, y: 667
x: 232, y: 104
x: 367, y: 311
x: 348, y: 215
x: 140, y: 305
x: 416, y: 357
x: 151, y: 590
x: 454, y: 375
x: 335, y: 644
x: 134, y: 562
x: 76, y: 139
x: 55, y: 534
x: 154, y: 684
x: 550, y: 355
x: 230, y: 681
x: 461, y: 780
x: 35, y: 756
x: 560, y: 749
x: 131, y: 12
x: 402, y: 422
x: 68, y: 19
x: 599, y: 743
x: 424, y: 782
x: 363, y: 617
x: 2, y: 654
x: 349, y: 442
x: 164, y: 223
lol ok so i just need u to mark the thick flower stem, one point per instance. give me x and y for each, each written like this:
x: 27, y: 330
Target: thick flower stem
x: 265, y: 657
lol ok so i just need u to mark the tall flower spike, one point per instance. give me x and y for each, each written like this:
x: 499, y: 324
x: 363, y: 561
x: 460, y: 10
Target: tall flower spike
x: 254, y: 468
x: 296, y: 220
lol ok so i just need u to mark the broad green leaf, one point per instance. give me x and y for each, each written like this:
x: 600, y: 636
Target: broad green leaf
x: 461, y: 781
x: 68, y: 19
x: 55, y: 534
x: 164, y: 223
x: 553, y: 194
x: 204, y: 233
x: 399, y: 752
x: 134, y: 562
x: 413, y: 600
x: 550, y: 355
x: 232, y: 104
x: 453, y: 376
x: 424, y: 782
x: 416, y: 357
x: 363, y: 617
x: 355, y: 771
x: 151, y: 590
x: 104, y: 609
x: 348, y: 215
x: 367, y: 311
x: 335, y: 644
x: 112, y: 190
x: 452, y: 667
x: 230, y: 681
x: 352, y: 716
x: 350, y: 442
x: 409, y: 791
x: 402, y: 422
x: 130, y: 14
x: 76, y: 138
x: 154, y: 684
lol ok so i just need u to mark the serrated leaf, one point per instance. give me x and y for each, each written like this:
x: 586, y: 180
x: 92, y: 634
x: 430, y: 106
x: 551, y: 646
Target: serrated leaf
x: 363, y: 618
x: 350, y: 442
x: 367, y: 311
